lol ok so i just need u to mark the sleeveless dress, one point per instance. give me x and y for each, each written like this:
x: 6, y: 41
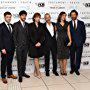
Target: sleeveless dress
x: 62, y: 41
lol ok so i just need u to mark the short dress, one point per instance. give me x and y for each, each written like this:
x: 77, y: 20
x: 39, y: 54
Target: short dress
x: 62, y: 41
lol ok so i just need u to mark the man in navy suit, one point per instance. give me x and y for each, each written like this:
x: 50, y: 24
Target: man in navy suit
x: 6, y: 47
x: 78, y: 34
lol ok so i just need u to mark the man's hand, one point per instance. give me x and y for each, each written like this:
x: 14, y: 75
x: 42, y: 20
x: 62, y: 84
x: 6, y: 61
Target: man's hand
x: 38, y: 44
x: 4, y: 51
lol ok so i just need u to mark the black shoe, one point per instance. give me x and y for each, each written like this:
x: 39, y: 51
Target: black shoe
x: 56, y: 74
x: 77, y: 73
x: 47, y: 74
x: 20, y: 79
x: 65, y: 74
x: 72, y: 71
x: 25, y: 75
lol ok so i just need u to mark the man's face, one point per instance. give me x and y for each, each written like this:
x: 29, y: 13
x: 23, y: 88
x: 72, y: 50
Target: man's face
x: 23, y: 17
x: 73, y: 16
x: 47, y: 18
x: 8, y: 18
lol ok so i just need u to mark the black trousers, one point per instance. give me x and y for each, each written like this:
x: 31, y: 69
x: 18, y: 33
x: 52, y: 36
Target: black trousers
x: 6, y: 63
x: 21, y: 53
x: 75, y: 57
x: 53, y: 49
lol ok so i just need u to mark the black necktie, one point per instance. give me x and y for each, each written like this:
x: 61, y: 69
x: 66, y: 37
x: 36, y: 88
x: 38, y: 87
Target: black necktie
x: 75, y: 25
x: 9, y: 28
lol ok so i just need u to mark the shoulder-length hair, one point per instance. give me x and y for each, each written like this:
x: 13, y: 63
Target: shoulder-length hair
x: 59, y: 16
x: 36, y: 15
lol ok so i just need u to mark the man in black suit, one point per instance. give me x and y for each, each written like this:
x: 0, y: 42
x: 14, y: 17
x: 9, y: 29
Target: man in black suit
x: 6, y: 47
x: 20, y: 34
x: 51, y: 45
x: 78, y: 34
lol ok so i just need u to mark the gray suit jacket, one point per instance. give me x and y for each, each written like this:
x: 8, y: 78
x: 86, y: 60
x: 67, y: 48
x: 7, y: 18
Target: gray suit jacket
x: 20, y: 34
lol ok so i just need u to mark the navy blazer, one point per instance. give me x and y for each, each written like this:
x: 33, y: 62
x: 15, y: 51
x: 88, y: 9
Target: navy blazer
x: 79, y: 35
x: 6, y: 38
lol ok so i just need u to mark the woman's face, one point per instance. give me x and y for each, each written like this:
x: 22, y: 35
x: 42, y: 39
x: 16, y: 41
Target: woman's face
x: 63, y: 17
x: 37, y: 19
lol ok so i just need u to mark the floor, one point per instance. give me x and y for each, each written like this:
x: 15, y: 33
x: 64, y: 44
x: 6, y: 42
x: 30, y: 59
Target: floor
x: 69, y: 82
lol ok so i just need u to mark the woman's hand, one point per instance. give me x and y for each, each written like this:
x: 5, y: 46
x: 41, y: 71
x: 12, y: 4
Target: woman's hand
x: 69, y: 44
x: 4, y: 51
x: 38, y: 44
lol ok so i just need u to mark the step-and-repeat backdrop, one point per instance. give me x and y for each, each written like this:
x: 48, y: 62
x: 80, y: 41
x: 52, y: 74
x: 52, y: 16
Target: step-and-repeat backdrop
x: 54, y: 7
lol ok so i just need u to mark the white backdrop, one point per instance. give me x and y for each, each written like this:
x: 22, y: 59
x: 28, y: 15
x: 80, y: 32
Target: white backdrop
x: 54, y: 7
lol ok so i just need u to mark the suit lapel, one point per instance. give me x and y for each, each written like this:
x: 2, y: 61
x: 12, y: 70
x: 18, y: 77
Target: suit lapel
x: 47, y: 29
x: 6, y: 28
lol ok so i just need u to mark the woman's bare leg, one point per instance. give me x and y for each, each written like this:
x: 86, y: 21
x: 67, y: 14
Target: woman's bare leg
x: 36, y: 62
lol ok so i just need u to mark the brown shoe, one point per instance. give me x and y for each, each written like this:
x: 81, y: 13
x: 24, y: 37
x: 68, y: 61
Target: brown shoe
x: 4, y: 80
x: 12, y: 76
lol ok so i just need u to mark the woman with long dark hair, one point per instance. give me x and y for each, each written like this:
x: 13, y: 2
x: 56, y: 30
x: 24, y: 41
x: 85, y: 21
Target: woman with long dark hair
x: 36, y: 42
x: 63, y: 41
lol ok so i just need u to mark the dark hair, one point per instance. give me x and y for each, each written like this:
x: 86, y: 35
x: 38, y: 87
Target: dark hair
x: 22, y: 12
x: 7, y: 13
x: 59, y: 16
x: 36, y: 15
x: 74, y: 11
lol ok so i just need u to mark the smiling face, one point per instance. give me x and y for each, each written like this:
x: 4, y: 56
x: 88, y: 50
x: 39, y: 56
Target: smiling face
x: 8, y: 18
x: 23, y: 17
x: 63, y: 17
x: 47, y: 18
x: 73, y: 16
x: 37, y: 19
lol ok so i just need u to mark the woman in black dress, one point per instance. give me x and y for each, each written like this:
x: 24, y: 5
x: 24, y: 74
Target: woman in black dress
x: 36, y: 42
x: 63, y: 41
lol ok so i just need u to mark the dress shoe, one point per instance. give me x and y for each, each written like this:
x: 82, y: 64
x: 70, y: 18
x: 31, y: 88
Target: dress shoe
x: 56, y: 74
x: 77, y: 73
x: 72, y: 71
x: 25, y: 75
x: 47, y: 74
x: 4, y: 80
x: 12, y: 76
x: 20, y: 79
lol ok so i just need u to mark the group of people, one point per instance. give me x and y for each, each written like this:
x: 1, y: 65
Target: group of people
x: 62, y: 39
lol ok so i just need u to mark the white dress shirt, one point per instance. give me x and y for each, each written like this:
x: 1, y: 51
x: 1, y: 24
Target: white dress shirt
x: 23, y: 23
x: 50, y: 29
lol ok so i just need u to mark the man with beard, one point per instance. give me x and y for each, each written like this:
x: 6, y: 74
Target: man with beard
x: 20, y: 35
x: 7, y: 47
x: 78, y: 34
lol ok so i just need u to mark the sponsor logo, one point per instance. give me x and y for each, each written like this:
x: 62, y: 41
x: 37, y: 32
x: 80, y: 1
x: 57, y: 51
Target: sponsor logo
x: 86, y: 4
x: 41, y: 4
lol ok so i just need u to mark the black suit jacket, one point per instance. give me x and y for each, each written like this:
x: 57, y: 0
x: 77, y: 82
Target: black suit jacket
x: 36, y: 35
x: 49, y: 40
x: 79, y: 35
x: 20, y: 34
x: 6, y: 38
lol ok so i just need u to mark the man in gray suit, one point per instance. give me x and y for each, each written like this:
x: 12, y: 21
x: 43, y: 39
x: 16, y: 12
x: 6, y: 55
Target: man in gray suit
x: 20, y: 34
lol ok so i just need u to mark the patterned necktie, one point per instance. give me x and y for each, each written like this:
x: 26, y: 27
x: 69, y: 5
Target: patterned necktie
x: 9, y: 28
x: 75, y: 25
